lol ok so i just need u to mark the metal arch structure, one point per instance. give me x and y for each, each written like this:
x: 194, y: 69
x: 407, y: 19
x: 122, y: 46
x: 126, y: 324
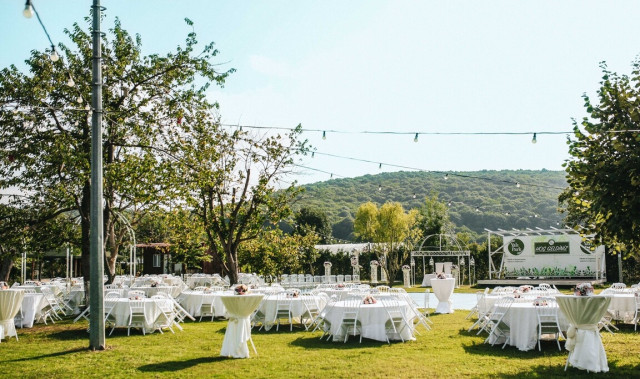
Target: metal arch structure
x: 442, y: 245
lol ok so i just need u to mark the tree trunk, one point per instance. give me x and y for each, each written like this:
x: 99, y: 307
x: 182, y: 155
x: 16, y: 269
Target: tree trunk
x: 5, y: 268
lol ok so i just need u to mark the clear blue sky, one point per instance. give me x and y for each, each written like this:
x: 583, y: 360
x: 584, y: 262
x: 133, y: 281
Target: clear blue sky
x: 374, y: 65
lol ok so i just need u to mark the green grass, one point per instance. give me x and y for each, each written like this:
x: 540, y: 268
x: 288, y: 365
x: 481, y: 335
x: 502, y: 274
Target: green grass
x: 448, y: 350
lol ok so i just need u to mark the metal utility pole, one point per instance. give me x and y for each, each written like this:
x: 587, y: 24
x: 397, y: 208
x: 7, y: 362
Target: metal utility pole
x: 96, y: 291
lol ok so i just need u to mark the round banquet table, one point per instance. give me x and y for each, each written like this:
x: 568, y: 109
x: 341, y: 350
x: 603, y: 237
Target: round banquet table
x: 373, y: 318
x: 191, y: 301
x: 239, y: 308
x: 10, y: 303
x: 443, y: 288
x: 32, y: 305
x: 270, y: 304
x: 585, y: 347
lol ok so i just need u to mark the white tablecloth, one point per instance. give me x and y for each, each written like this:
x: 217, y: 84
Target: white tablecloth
x: 152, y: 312
x: 623, y: 307
x: 32, y: 305
x: 373, y: 318
x: 443, y: 288
x: 585, y: 347
x: 149, y: 291
x: 522, y: 319
x: 10, y: 303
x: 426, y: 281
x: 239, y: 308
x: 269, y: 307
x: 191, y: 301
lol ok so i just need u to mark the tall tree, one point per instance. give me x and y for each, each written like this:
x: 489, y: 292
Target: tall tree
x: 392, y: 227
x: 312, y: 220
x: 604, y: 169
x: 45, y: 130
x: 232, y: 181
x: 433, y: 217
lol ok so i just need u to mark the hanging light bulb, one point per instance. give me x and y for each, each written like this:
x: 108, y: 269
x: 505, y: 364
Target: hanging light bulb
x: 70, y: 82
x: 477, y: 209
x: 518, y: 184
x: 86, y: 107
x: 414, y: 195
x: 324, y: 135
x: 79, y: 99
x: 380, y: 166
x: 380, y: 188
x: 508, y: 214
x: 331, y: 176
x: 415, y: 139
x: 28, y: 10
x: 313, y: 154
x: 54, y: 55
x: 449, y: 204
x: 446, y: 176
x: 534, y: 139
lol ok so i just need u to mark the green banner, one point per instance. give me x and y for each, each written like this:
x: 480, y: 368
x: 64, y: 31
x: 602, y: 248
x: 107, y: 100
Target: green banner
x: 551, y: 247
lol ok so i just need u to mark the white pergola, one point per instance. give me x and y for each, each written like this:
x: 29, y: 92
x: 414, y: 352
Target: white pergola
x: 441, y: 245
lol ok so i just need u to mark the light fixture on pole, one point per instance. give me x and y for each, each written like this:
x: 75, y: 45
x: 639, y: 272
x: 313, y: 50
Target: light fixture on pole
x: 28, y: 10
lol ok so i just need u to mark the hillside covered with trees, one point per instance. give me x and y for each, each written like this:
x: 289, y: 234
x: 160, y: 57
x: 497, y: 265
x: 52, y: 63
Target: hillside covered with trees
x: 476, y: 200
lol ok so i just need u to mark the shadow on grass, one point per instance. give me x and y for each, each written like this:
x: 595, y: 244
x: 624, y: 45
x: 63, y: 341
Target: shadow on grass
x: 541, y: 371
x: 57, y: 354
x: 171, y: 366
x: 314, y: 342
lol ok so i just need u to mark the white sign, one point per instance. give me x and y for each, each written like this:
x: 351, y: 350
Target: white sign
x: 563, y: 255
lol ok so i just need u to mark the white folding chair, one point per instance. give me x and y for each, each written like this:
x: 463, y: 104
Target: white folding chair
x: 283, y: 311
x: 137, y: 317
x: 396, y: 322
x: 547, y: 312
x: 499, y: 328
x: 349, y: 322
x: 206, y: 306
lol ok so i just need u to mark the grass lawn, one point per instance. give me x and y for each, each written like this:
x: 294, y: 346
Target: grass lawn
x: 448, y: 350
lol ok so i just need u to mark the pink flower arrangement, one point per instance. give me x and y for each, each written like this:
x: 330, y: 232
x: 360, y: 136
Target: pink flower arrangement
x: 369, y: 300
x: 441, y: 275
x: 583, y: 289
x: 241, y: 289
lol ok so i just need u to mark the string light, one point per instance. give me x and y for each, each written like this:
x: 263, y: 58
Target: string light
x: 28, y: 10
x: 534, y: 139
x: 324, y: 135
x: 415, y: 139
x: 380, y: 187
x: 414, y: 195
x: 70, y: 82
x: 518, y: 184
x: 54, y: 55
x: 380, y: 166
x: 313, y: 154
x: 446, y: 176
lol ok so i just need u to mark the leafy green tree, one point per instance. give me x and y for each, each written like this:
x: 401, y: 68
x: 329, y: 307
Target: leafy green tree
x: 231, y: 181
x: 45, y: 127
x: 433, y: 217
x: 310, y: 220
x: 604, y: 169
x: 392, y: 227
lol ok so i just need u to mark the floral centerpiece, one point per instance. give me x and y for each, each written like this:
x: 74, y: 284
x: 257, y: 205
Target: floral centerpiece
x: 406, y: 268
x: 583, y: 289
x: 540, y: 302
x: 340, y: 285
x: 525, y: 288
x: 516, y: 294
x: 293, y: 293
x: 374, y: 263
x: 241, y: 289
x: 328, y: 264
x: 369, y: 300
x: 441, y: 275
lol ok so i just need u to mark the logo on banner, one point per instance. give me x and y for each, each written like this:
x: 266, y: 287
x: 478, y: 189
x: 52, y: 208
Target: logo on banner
x: 551, y: 247
x: 587, y: 247
x: 515, y: 246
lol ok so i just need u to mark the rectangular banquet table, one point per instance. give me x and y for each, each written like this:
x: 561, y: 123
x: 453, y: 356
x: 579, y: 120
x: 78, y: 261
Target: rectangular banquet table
x: 239, y: 310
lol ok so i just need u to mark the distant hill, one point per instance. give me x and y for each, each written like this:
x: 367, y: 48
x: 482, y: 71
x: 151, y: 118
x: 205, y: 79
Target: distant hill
x: 477, y: 200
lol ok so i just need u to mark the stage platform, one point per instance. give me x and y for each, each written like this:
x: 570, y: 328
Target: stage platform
x: 555, y: 282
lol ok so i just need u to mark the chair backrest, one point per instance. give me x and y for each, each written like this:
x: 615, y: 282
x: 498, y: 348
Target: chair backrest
x: 136, y: 306
x: 618, y: 286
x: 545, y: 286
x: 547, y: 309
x: 351, y: 307
x: 112, y: 294
x: 501, y: 308
x: 427, y: 295
x: 136, y: 293
x: 382, y: 289
x: 481, y: 303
